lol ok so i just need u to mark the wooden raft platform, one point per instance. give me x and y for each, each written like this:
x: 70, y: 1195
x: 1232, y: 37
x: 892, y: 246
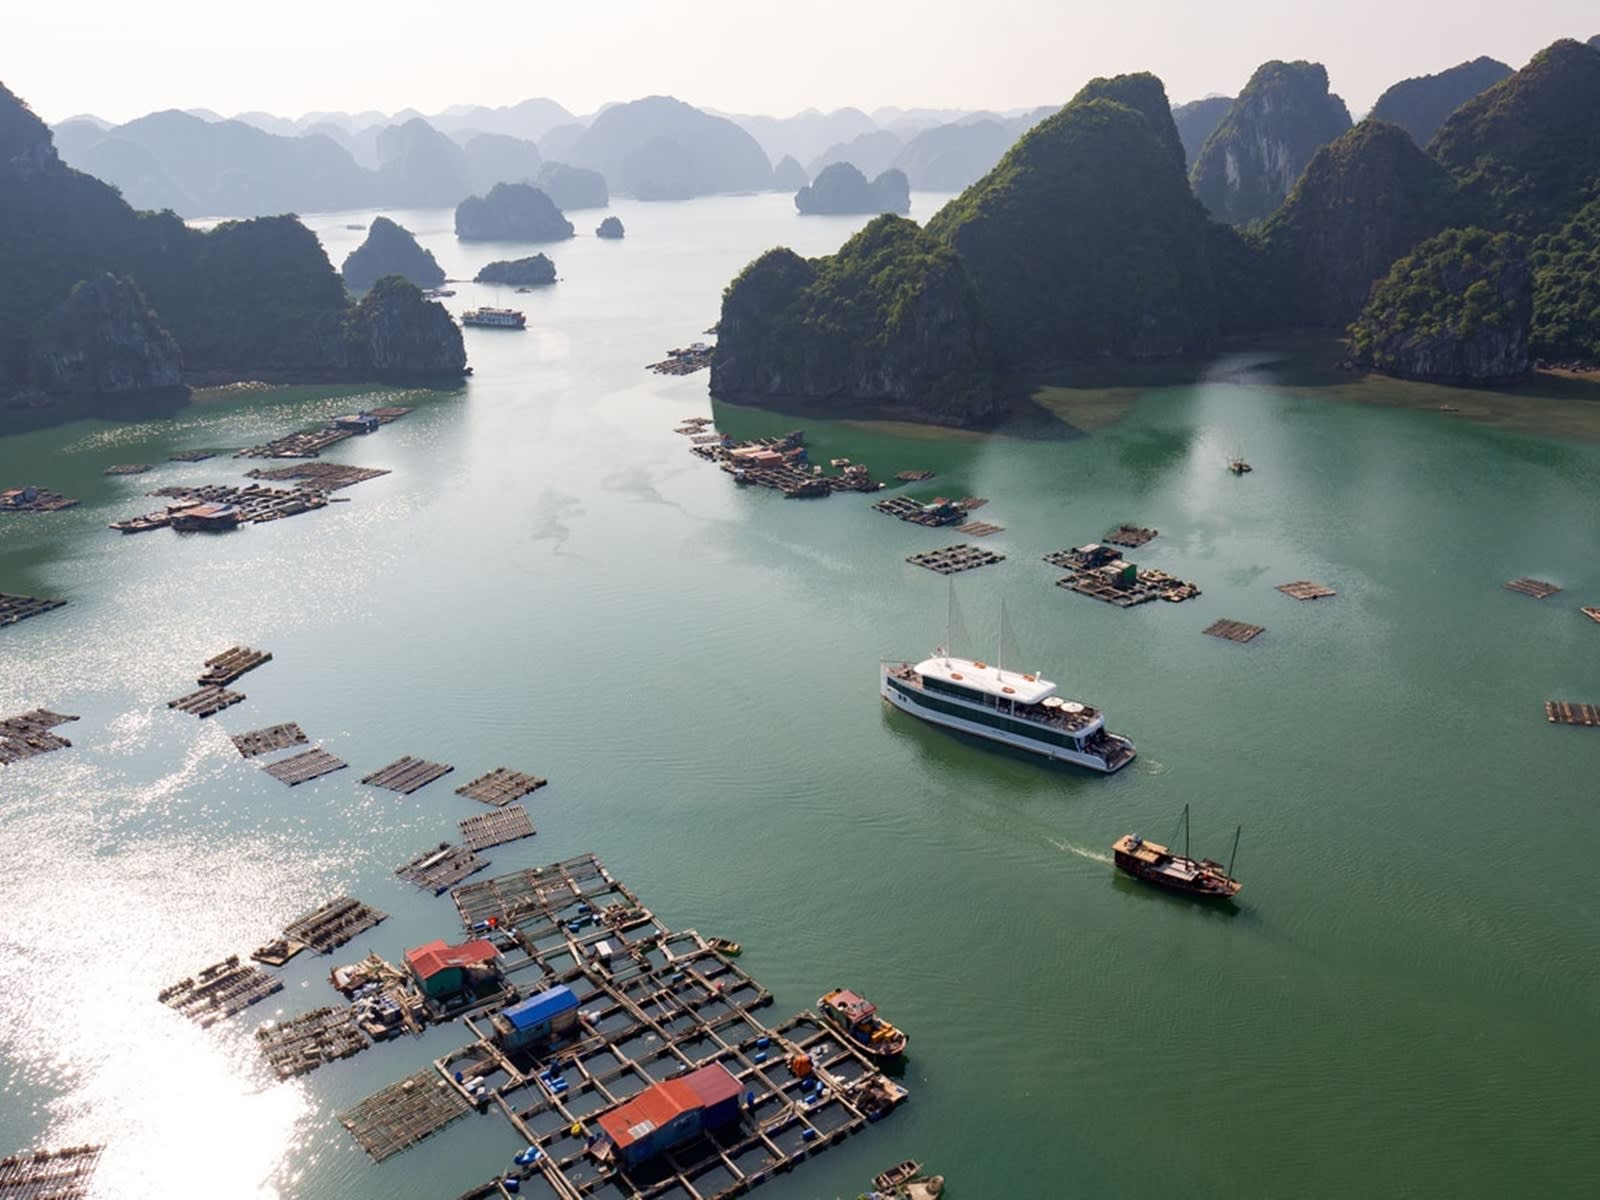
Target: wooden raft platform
x: 222, y: 669
x: 1131, y: 536
x: 308, y: 1041
x: 327, y: 928
x: 1304, y: 589
x: 1537, y: 588
x: 306, y: 444
x: 41, y: 500
x: 951, y: 559
x: 440, y: 869
x: 276, y: 953
x: 913, y: 476
x: 324, y: 476
x: 193, y: 456
x: 207, y: 702
x: 406, y: 775
x: 302, y: 768
x: 265, y: 741
x: 1566, y: 712
x: 20, y: 608
x: 914, y: 511
x: 501, y: 786
x: 1148, y: 586
x: 979, y: 528
x: 63, y: 1174
x: 219, y: 991
x: 404, y: 1113
x: 1234, y: 631
x: 509, y: 824
x: 28, y: 734
x: 128, y: 469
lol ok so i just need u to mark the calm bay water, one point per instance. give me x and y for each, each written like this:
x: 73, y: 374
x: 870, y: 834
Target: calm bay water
x: 1404, y: 1003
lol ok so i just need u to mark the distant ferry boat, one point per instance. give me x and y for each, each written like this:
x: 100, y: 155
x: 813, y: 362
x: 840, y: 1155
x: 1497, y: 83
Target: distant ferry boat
x: 495, y: 318
x: 1013, y: 708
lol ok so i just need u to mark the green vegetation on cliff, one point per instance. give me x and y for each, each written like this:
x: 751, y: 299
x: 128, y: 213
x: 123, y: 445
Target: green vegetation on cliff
x: 1457, y: 307
x: 1527, y: 150
x: 1085, y: 241
x: 890, y: 322
x: 1364, y: 200
x: 1420, y: 105
x: 1566, y: 290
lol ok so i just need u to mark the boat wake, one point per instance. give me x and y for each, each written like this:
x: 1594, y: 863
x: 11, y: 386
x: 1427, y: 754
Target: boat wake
x: 1081, y: 851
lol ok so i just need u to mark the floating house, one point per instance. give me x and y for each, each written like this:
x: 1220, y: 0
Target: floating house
x: 17, y: 497
x: 538, y: 1020
x: 442, y: 971
x: 357, y: 423
x: 206, y: 518
x: 669, y: 1114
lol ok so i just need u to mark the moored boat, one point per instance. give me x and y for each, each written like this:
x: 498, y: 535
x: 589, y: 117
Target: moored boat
x: 1017, y: 709
x: 858, y: 1019
x: 495, y: 318
x: 1153, y: 863
x: 726, y: 946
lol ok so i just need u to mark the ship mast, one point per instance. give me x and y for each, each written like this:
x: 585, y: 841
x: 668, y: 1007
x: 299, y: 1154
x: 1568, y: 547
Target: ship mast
x: 1186, y: 831
x: 949, y: 617
x: 1235, y: 854
x: 1000, y: 650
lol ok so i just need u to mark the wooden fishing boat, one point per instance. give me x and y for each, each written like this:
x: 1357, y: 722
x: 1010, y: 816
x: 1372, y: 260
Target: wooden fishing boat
x: 1153, y: 863
x: 858, y: 1019
x: 901, y: 1172
x: 725, y: 946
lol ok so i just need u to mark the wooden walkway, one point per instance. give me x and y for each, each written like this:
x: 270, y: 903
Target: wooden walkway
x: 404, y: 1113
x: 1304, y: 589
x: 952, y: 559
x: 28, y: 734
x: 1234, y: 631
x: 306, y: 1042
x: 1537, y: 588
x: 327, y: 928
x: 406, y: 775
x: 63, y: 1174
x: 497, y: 828
x: 273, y: 737
x: 222, y: 669
x: 440, y: 869
x: 219, y: 991
x: 501, y: 786
x: 20, y: 608
x: 207, y: 702
x: 1566, y: 712
x: 303, y: 768
x: 1131, y: 536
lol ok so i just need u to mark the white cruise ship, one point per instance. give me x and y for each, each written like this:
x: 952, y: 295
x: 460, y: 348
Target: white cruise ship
x: 495, y: 318
x: 1004, y: 706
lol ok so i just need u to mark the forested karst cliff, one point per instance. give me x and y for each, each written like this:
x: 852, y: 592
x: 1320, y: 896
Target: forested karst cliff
x: 1420, y: 105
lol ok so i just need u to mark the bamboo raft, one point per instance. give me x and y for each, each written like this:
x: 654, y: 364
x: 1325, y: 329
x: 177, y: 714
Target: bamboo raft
x: 406, y: 775
x: 303, y: 768
x: 20, y: 608
x: 28, y: 734
x: 979, y: 528
x: 951, y: 559
x: 501, y: 786
x: 265, y: 741
x: 323, y: 476
x: 1306, y: 590
x: 404, y: 1113
x: 913, y: 476
x: 1567, y: 712
x: 1539, y: 589
x: 128, y: 469
x: 1131, y: 536
x: 388, y: 414
x: 207, y: 702
x: 327, y: 928
x: 440, y: 869
x: 43, y: 500
x: 64, y: 1174
x: 219, y: 991
x: 222, y: 669
x: 310, y: 1040
x: 488, y: 829
x: 277, y: 953
x: 1234, y: 631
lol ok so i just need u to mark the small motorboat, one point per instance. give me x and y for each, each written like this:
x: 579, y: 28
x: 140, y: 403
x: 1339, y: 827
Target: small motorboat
x: 725, y: 946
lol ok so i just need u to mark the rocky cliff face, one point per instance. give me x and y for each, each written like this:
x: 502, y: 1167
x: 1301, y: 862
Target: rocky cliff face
x: 522, y: 272
x: 395, y: 333
x: 889, y: 325
x: 1420, y: 105
x: 1457, y: 309
x: 1253, y: 158
x: 610, y: 228
x: 843, y: 189
x: 1364, y: 200
x: 104, y: 338
x: 390, y: 250
x: 789, y: 175
x: 710, y: 154
x: 571, y: 188
x: 511, y: 212
x: 1195, y: 122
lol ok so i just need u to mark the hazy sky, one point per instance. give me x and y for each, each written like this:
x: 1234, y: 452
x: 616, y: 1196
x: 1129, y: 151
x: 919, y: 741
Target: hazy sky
x: 122, y: 58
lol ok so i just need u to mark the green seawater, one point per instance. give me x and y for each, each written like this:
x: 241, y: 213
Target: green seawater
x: 1403, y: 1003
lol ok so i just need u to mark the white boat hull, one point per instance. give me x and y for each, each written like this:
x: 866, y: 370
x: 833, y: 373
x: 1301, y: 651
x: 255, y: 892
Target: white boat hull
x: 908, y: 704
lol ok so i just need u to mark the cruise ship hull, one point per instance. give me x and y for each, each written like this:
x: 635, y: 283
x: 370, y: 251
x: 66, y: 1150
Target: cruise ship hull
x: 907, y: 701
